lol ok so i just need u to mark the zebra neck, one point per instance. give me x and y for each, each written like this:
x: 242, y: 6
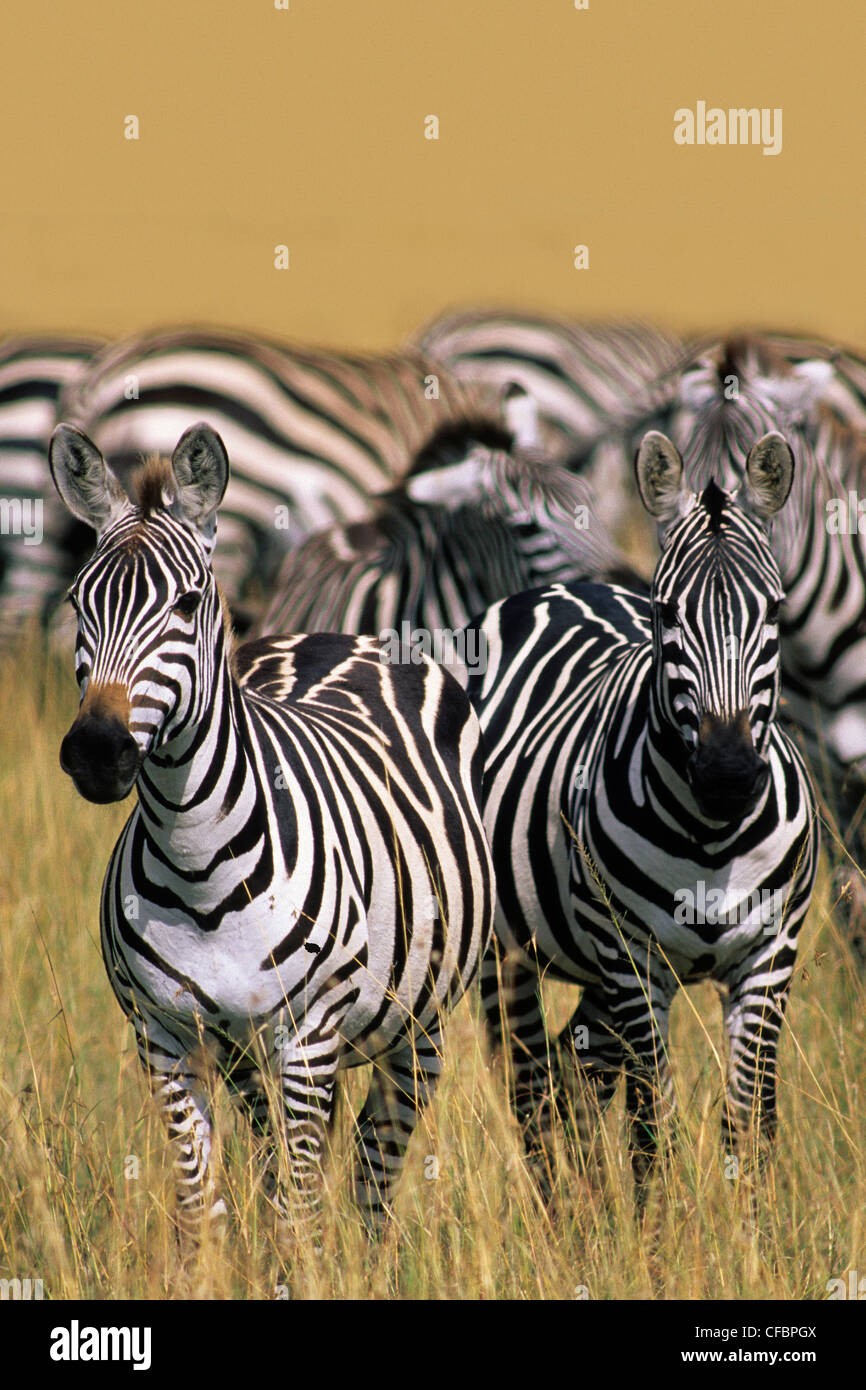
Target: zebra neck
x: 665, y: 759
x: 202, y: 787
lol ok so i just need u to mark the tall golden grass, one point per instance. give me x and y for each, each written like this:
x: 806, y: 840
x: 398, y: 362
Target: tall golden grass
x: 85, y: 1181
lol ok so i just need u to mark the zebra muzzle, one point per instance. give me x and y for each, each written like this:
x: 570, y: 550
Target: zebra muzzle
x: 102, y: 758
x: 726, y: 775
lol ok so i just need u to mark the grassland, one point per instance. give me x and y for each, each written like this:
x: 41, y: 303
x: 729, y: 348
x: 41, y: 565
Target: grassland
x: 85, y: 1186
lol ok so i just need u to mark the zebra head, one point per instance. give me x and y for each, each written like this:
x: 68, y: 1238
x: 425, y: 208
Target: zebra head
x: 715, y: 601
x: 150, y: 623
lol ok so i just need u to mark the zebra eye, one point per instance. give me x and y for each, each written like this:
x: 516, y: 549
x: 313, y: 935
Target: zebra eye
x: 669, y: 614
x: 186, y: 605
x: 773, y: 613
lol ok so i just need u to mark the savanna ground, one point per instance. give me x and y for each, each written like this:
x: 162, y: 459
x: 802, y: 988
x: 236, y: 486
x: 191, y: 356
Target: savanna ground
x: 85, y: 1183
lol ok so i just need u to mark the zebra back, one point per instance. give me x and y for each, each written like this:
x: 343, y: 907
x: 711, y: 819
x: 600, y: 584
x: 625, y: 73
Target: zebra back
x: 39, y: 545
x: 476, y: 518
x: 311, y: 434
x: 586, y: 378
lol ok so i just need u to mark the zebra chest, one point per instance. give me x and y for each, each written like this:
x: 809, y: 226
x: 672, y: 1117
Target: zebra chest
x: 636, y: 879
x: 224, y: 942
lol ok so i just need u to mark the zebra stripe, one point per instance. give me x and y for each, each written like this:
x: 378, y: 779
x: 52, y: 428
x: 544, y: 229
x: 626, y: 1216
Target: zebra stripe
x: 477, y: 518
x: 823, y: 571
x: 304, y: 884
x: 596, y: 382
x: 632, y: 757
x: 585, y: 378
x: 37, y: 540
x: 311, y: 435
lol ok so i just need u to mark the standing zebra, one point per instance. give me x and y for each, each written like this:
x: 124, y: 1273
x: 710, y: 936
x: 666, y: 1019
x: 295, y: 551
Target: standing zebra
x: 650, y: 823
x: 311, y: 434
x: 38, y: 539
x: 820, y: 550
x: 477, y: 517
x: 305, y: 874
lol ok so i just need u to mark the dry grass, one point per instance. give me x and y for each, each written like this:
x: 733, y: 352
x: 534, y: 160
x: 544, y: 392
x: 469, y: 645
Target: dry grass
x: 85, y: 1187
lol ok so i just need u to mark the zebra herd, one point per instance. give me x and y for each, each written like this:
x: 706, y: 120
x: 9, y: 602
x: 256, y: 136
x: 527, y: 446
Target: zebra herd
x: 334, y: 833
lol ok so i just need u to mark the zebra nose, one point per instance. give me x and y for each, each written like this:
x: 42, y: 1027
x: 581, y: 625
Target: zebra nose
x: 101, y: 757
x: 727, y: 776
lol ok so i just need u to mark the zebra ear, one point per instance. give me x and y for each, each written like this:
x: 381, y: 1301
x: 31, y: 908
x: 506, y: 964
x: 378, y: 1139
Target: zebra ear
x: 84, y: 480
x: 520, y: 412
x: 201, y: 470
x: 659, y: 472
x: 769, y: 475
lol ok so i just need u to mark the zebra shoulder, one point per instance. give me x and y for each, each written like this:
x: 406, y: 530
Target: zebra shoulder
x: 310, y: 666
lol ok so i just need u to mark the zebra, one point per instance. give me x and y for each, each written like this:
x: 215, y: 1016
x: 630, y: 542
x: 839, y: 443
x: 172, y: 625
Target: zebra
x: 304, y: 883
x: 601, y: 382
x: 482, y: 513
x: 312, y: 435
x: 633, y: 758
x: 820, y: 550
x: 584, y: 377
x: 38, y: 540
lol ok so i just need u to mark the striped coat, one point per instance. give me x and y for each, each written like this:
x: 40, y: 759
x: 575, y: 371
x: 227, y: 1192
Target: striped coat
x: 311, y: 434
x: 651, y: 824
x: 304, y: 884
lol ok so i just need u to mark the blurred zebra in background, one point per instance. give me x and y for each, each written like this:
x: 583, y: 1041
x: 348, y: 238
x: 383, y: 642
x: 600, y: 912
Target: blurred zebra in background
x: 312, y: 435
x: 651, y: 824
x: 304, y: 884
x: 40, y: 545
x: 587, y: 379
x: 598, y: 387
x: 605, y: 381
x: 482, y: 513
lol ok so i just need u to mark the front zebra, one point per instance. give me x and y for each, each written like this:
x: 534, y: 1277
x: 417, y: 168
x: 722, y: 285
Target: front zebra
x: 305, y: 878
x: 820, y: 547
x: 650, y: 824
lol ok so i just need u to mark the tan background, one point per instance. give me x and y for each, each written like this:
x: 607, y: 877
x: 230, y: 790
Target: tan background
x: 306, y: 127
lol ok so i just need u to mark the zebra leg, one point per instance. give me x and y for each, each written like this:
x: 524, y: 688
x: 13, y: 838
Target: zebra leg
x: 248, y: 1093
x: 596, y: 1056
x: 401, y: 1087
x: 307, y: 1081
x: 511, y: 997
x: 640, y: 1017
x: 178, y: 1087
x: 753, y: 1018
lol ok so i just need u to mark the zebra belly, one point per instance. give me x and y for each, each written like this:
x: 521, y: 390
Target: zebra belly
x: 235, y: 981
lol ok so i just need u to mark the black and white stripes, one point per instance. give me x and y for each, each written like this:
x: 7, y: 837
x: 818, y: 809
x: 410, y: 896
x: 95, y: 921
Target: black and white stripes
x: 39, y: 542
x: 312, y: 435
x: 634, y: 773
x: 477, y: 518
x: 304, y: 883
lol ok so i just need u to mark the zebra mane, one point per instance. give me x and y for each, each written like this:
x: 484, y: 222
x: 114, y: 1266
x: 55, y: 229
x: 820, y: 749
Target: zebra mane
x: 747, y: 388
x: 152, y: 483
x: 455, y: 438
